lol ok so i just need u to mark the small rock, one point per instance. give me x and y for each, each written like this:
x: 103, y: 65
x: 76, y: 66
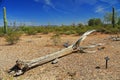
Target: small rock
x: 71, y: 74
x: 66, y: 44
x: 101, y: 48
x: 97, y: 67
x: 55, y: 61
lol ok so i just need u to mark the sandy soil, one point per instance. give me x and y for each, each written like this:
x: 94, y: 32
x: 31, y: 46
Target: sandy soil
x: 76, y: 66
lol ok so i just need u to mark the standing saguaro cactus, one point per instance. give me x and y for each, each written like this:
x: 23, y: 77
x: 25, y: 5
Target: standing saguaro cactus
x: 113, y: 17
x: 5, y: 20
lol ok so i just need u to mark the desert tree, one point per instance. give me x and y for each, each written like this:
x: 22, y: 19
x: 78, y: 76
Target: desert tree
x: 111, y: 17
x: 107, y: 18
x: 80, y: 25
x: 94, y: 22
x: 73, y: 25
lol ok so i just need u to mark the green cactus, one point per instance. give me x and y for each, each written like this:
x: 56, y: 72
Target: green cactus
x: 5, y: 20
x: 113, y: 17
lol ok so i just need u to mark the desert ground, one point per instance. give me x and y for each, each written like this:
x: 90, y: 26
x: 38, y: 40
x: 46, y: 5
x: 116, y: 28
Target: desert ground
x: 76, y: 66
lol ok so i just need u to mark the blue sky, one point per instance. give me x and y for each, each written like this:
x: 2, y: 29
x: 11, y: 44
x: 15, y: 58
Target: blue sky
x: 55, y: 12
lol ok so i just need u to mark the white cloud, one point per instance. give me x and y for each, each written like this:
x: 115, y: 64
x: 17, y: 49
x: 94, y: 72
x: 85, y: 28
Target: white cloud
x: 111, y: 2
x: 99, y: 9
x: 91, y: 2
x: 102, y: 9
x: 48, y: 2
x: 36, y: 0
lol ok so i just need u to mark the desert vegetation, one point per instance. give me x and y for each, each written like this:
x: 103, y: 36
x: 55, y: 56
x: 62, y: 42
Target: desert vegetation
x: 110, y: 24
x: 67, y: 30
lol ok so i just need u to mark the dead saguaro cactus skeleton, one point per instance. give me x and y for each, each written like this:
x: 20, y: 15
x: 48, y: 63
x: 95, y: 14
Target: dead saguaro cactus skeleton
x: 22, y: 66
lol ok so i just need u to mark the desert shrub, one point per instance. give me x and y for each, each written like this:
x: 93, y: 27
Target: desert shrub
x: 112, y: 30
x: 81, y: 30
x: 31, y: 31
x: 56, y: 39
x: 38, y: 29
x: 28, y: 30
x: 45, y: 32
x: 109, y: 29
x: 68, y: 29
x: 12, y: 37
x: 69, y: 32
x: 1, y: 32
x: 23, y: 28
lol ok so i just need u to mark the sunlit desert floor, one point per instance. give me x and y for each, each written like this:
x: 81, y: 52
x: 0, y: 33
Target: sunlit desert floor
x: 76, y: 66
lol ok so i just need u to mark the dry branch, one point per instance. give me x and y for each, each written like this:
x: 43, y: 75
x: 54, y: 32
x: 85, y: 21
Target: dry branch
x: 22, y: 66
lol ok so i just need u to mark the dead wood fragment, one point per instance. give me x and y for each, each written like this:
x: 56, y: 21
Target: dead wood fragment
x: 115, y: 38
x: 22, y: 66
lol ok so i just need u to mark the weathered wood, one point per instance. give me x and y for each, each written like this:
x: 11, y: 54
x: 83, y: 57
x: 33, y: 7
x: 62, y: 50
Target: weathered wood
x: 22, y: 66
x: 115, y: 38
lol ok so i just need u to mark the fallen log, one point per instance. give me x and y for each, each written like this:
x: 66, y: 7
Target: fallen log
x: 22, y: 66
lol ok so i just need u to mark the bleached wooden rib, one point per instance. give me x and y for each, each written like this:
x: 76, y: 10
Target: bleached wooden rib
x: 22, y: 66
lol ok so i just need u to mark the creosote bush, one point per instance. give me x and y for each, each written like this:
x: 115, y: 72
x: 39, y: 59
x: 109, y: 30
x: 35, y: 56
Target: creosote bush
x: 70, y: 32
x: 56, y: 39
x: 67, y: 30
x: 13, y: 37
x: 31, y: 31
x: 1, y: 32
x: 28, y: 30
